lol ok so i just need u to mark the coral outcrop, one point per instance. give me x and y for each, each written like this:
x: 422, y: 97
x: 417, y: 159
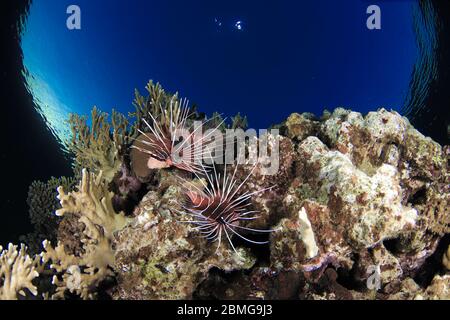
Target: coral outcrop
x: 158, y: 256
x: 368, y: 185
x: 365, y: 209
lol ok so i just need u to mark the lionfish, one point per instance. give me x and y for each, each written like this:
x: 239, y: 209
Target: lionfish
x: 163, y: 142
x: 218, y: 207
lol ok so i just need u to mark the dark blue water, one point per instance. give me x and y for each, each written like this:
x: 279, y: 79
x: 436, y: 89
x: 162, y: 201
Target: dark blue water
x: 265, y: 59
x: 285, y: 56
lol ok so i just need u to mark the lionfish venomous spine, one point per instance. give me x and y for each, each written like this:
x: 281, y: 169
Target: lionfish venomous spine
x: 219, y: 208
x: 170, y: 140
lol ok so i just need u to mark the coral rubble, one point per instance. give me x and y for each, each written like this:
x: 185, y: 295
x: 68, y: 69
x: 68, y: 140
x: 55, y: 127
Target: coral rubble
x: 359, y: 210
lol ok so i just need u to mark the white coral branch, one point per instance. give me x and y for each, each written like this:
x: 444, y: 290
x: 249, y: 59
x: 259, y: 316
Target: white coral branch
x: 307, y: 235
x: 17, y: 271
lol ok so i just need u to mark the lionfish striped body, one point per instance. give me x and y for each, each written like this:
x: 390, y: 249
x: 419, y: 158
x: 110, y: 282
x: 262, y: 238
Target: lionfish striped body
x: 219, y: 209
x: 169, y: 141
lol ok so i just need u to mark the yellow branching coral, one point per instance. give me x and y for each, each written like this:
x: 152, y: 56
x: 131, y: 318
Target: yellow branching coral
x: 163, y: 106
x: 158, y: 99
x: 100, y: 146
x: 92, y: 203
x: 79, y: 275
x: 17, y: 271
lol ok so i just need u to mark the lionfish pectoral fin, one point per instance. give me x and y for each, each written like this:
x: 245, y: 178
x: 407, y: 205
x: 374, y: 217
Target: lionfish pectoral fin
x: 153, y: 163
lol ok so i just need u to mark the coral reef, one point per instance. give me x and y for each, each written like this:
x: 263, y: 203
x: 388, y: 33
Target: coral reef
x: 358, y: 209
x: 375, y: 194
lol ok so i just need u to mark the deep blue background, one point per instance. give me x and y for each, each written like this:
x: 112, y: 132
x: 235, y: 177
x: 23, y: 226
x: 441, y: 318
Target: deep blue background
x: 289, y: 56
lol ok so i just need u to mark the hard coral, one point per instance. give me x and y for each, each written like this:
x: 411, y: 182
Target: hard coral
x: 353, y: 194
x: 300, y: 126
x: 370, y: 199
x: 17, y: 271
x: 101, y: 146
x: 42, y: 202
x: 91, y: 204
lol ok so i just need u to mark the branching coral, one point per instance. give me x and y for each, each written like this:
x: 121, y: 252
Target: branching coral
x: 92, y: 204
x: 17, y: 271
x: 80, y: 275
x: 156, y: 101
x: 43, y: 203
x: 99, y: 147
x: 237, y: 122
x: 352, y: 192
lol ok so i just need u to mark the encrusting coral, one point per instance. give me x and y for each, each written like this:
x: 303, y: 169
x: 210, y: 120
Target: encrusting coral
x: 358, y: 209
x: 362, y: 189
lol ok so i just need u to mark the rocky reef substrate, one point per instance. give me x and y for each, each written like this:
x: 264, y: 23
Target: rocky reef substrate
x: 360, y: 211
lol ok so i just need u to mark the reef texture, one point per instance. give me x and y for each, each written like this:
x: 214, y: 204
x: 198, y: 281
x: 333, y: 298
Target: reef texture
x: 359, y: 209
x: 160, y: 257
